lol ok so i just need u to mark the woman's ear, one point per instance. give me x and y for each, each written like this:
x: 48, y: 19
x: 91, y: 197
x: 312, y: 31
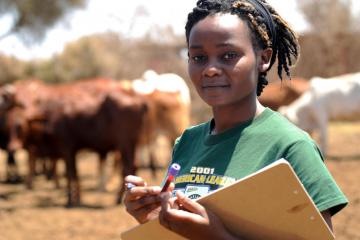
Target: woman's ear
x: 265, y: 57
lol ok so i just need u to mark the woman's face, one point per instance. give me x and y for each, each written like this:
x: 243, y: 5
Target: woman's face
x: 223, y: 65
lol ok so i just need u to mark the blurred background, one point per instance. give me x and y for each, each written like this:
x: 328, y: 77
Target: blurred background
x: 63, y: 41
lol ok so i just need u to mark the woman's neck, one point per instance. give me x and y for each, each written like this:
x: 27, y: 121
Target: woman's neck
x: 230, y: 116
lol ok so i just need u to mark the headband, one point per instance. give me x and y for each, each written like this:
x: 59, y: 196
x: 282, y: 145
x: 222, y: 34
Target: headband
x: 264, y: 12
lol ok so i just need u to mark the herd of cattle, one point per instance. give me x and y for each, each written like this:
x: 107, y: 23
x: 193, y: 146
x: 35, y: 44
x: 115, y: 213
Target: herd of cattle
x: 54, y: 122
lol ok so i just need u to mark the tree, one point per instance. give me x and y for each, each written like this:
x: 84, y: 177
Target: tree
x: 32, y: 18
x: 327, y: 50
x: 109, y: 55
x: 11, y: 69
x: 328, y: 16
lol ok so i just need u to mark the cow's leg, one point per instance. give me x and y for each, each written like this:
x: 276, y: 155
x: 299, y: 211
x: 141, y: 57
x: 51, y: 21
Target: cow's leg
x: 145, y: 157
x: 102, y: 175
x: 111, y: 182
x: 12, y: 174
x: 73, y: 187
x: 128, y: 168
x: 31, y: 166
x: 152, y: 159
x: 321, y: 119
x: 42, y: 168
x: 323, y: 137
x: 53, y: 171
x: 48, y: 168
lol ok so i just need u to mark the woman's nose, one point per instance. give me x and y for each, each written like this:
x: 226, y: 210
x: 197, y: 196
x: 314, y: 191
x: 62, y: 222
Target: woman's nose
x: 212, y: 69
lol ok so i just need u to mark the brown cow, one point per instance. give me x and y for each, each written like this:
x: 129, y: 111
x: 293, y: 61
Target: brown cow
x: 168, y: 97
x: 283, y: 93
x: 167, y: 116
x: 24, y: 122
x: 7, y: 102
x: 97, y: 87
x: 12, y: 174
x: 76, y: 119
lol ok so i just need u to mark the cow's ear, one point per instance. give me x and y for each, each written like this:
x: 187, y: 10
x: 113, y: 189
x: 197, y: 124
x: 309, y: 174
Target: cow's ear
x: 264, y: 59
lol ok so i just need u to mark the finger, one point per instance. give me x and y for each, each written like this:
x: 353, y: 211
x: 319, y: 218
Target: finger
x: 171, y: 187
x: 189, y: 205
x: 147, y: 213
x: 143, y: 202
x: 163, y: 221
x: 138, y: 192
x: 169, y: 210
x: 163, y: 215
x: 165, y: 197
x: 165, y: 205
x: 173, y: 203
x: 138, y: 181
x: 178, y: 220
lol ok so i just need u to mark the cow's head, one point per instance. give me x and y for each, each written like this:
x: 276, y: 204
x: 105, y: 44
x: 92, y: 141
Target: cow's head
x: 24, y: 122
x: 7, y: 98
x: 17, y: 127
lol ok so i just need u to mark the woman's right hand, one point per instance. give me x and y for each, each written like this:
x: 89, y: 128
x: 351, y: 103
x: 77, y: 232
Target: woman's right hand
x: 142, y: 202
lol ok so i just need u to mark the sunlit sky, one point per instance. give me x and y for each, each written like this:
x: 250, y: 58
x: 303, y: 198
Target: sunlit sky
x: 114, y: 15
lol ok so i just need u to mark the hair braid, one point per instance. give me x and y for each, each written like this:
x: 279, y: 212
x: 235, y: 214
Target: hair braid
x: 247, y: 11
x: 285, y: 49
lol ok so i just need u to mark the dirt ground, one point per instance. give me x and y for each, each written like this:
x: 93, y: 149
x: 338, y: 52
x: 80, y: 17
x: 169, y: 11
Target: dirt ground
x: 40, y: 213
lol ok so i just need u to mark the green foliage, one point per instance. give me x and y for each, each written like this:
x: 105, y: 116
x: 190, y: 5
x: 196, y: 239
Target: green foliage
x: 32, y: 18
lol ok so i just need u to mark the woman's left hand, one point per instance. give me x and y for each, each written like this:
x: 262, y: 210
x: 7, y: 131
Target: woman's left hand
x: 190, y: 219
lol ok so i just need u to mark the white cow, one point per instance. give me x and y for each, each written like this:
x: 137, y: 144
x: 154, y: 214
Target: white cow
x: 336, y: 98
x: 167, y: 82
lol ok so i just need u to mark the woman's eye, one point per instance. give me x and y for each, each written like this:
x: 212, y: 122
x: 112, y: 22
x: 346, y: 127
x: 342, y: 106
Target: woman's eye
x: 199, y: 58
x: 229, y: 56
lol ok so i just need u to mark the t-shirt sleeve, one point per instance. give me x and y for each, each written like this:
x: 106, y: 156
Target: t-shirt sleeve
x: 307, y: 162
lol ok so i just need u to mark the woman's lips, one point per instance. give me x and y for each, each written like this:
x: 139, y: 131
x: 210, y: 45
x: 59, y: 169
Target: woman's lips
x: 216, y: 86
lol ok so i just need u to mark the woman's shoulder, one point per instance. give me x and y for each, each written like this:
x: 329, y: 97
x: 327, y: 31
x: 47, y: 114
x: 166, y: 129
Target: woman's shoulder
x: 198, y: 128
x: 287, y: 138
x: 280, y: 127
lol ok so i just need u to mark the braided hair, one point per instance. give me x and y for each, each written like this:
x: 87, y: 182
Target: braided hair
x: 284, y: 44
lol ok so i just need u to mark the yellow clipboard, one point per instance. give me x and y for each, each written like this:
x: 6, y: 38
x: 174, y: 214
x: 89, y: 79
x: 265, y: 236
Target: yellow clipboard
x: 268, y: 204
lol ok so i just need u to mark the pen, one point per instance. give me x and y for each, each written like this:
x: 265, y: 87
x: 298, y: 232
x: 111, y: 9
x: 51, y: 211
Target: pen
x: 173, y: 171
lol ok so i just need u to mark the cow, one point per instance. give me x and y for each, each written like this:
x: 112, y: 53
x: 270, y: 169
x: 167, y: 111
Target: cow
x: 7, y: 101
x: 336, y: 98
x: 69, y: 119
x: 12, y: 173
x: 168, y: 99
x: 22, y: 122
x: 96, y: 87
x: 277, y: 94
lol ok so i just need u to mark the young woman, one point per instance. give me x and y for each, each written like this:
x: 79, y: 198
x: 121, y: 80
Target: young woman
x: 232, y: 45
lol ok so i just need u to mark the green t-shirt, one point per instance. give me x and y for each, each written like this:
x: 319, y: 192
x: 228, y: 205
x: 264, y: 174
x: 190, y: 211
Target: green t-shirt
x: 212, y: 161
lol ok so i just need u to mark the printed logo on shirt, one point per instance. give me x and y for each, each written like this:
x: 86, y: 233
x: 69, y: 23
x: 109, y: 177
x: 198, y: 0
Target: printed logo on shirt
x: 200, y: 181
x: 205, y: 179
x: 176, y: 190
x: 196, y: 191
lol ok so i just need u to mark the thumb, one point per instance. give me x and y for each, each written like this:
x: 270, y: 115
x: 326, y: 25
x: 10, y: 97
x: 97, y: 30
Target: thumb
x: 189, y: 204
